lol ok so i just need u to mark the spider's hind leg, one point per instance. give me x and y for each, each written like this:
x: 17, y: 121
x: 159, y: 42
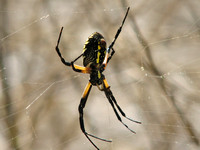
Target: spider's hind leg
x: 58, y: 50
x: 74, y: 67
x: 112, y: 53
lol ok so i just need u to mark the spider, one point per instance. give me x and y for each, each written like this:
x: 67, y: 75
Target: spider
x: 95, y: 59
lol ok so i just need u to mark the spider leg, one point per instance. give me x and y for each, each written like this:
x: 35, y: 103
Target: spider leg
x: 81, y: 69
x: 76, y: 68
x: 80, y: 108
x: 118, y: 31
x: 112, y: 53
x: 58, y: 50
x: 120, y: 110
x: 112, y: 101
x: 115, y: 38
x: 116, y: 113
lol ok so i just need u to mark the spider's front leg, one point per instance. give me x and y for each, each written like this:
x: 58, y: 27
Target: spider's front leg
x: 114, y: 103
x: 80, y: 108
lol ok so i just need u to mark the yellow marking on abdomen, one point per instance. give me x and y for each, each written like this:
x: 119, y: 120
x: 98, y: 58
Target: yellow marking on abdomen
x: 98, y: 57
x: 99, y: 74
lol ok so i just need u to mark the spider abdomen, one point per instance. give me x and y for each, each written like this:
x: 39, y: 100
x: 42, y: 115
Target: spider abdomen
x: 94, y: 50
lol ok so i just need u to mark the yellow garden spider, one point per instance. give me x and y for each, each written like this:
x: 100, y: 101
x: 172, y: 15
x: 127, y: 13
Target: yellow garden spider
x: 95, y: 59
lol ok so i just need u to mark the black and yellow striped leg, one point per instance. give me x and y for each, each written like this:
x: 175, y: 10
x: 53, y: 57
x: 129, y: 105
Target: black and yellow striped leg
x: 112, y: 53
x: 113, y: 103
x: 80, y: 108
x: 114, y: 40
x: 70, y: 64
x: 121, y: 111
x: 58, y: 50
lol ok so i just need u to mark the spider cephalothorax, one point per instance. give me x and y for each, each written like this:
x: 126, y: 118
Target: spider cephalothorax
x: 95, y: 59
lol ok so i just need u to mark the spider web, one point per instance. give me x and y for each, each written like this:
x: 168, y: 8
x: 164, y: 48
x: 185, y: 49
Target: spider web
x: 154, y: 75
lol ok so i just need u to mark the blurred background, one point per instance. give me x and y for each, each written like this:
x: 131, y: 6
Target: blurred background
x: 154, y: 74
